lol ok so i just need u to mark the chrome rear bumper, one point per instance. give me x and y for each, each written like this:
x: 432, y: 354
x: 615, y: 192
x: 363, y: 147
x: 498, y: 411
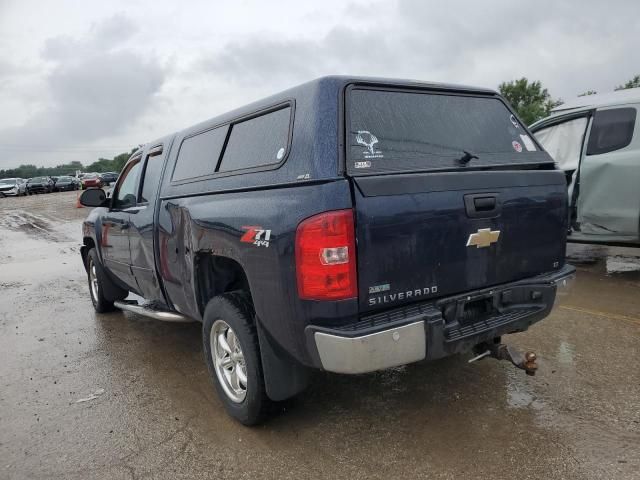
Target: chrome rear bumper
x: 376, y: 351
x: 424, y: 333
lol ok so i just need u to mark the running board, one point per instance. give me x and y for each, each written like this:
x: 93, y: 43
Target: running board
x: 145, y: 311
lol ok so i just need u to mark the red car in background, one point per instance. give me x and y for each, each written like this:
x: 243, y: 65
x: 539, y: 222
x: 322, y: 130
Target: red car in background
x: 91, y: 180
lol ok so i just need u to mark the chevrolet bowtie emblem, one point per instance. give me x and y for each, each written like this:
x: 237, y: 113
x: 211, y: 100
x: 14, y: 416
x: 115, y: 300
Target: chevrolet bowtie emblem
x: 483, y: 238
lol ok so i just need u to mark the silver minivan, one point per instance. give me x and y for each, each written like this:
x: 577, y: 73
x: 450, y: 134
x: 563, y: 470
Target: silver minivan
x: 594, y: 140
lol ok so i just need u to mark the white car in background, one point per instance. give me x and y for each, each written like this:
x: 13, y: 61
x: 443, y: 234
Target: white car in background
x: 594, y: 140
x: 13, y: 187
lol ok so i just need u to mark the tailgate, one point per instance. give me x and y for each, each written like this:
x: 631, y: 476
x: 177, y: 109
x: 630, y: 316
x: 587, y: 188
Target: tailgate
x: 427, y: 235
x: 451, y: 194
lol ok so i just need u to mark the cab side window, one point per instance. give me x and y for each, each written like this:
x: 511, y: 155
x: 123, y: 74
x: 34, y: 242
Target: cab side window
x: 127, y: 187
x: 151, y: 177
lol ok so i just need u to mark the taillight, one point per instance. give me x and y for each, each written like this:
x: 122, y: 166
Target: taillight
x: 326, y: 257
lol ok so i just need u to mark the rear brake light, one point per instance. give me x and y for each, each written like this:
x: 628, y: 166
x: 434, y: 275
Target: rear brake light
x: 326, y: 257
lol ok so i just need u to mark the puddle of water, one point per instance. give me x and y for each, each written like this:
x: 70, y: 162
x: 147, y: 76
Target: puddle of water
x: 612, y: 260
x: 519, y: 393
x: 26, y: 259
x: 33, y: 225
x: 566, y: 353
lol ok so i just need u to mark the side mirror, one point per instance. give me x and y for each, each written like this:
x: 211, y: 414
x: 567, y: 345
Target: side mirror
x: 93, y: 197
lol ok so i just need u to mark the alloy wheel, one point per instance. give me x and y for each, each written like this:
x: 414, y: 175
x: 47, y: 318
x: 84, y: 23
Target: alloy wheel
x: 93, y: 281
x: 228, y: 361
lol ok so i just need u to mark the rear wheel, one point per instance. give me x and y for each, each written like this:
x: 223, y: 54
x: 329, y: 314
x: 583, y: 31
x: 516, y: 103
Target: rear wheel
x: 100, y: 284
x: 230, y: 344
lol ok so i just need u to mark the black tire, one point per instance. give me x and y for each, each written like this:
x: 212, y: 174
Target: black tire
x: 105, y: 292
x: 236, y: 310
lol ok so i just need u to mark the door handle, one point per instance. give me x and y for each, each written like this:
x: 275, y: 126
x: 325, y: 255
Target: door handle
x: 482, y: 205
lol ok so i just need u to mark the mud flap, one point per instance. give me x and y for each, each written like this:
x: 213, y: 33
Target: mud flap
x: 283, y: 377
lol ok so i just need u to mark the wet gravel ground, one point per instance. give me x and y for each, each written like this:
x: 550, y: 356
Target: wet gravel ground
x: 84, y: 395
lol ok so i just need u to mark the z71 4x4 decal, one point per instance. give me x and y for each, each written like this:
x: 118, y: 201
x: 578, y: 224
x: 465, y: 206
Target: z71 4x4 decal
x: 257, y: 235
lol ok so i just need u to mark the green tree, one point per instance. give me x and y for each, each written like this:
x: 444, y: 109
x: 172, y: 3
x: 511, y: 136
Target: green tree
x: 114, y: 164
x: 633, y: 83
x: 529, y: 99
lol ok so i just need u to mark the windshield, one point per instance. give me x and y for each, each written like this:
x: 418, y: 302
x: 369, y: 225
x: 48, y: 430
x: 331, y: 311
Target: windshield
x: 404, y: 131
x: 38, y: 180
x: 64, y: 179
x: 8, y: 181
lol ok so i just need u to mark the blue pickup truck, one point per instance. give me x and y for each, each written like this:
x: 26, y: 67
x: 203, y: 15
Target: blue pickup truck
x: 347, y: 224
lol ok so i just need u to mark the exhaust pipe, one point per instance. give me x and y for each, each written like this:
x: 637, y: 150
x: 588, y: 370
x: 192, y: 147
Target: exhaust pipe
x: 147, y: 311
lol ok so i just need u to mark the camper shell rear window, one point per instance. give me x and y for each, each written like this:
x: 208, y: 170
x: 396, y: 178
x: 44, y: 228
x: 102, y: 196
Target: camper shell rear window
x: 420, y: 130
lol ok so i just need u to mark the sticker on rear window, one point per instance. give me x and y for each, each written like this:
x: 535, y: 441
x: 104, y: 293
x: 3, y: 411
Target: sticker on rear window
x: 514, y: 121
x: 528, y: 143
x: 368, y: 139
x: 366, y: 164
x: 516, y: 146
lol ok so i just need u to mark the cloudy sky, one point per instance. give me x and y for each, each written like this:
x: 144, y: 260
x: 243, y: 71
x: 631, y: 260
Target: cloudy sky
x: 84, y: 79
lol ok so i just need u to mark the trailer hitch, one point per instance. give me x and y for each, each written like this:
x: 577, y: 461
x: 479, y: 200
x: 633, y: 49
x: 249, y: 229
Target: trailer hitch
x: 525, y: 361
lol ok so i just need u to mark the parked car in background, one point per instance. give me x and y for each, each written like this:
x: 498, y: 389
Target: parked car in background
x: 40, y: 185
x: 66, y: 183
x: 91, y: 180
x: 594, y: 140
x: 13, y: 187
x: 108, y: 178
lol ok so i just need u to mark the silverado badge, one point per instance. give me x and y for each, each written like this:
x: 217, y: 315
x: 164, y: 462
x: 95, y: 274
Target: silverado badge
x: 484, y: 237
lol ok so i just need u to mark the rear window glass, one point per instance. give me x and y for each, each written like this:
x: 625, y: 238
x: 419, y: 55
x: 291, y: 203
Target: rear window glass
x: 611, y: 130
x: 258, y: 141
x: 199, y: 154
x: 405, y: 131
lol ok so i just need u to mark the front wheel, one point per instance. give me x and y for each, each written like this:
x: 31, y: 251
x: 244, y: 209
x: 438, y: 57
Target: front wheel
x: 100, y: 284
x: 232, y: 354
